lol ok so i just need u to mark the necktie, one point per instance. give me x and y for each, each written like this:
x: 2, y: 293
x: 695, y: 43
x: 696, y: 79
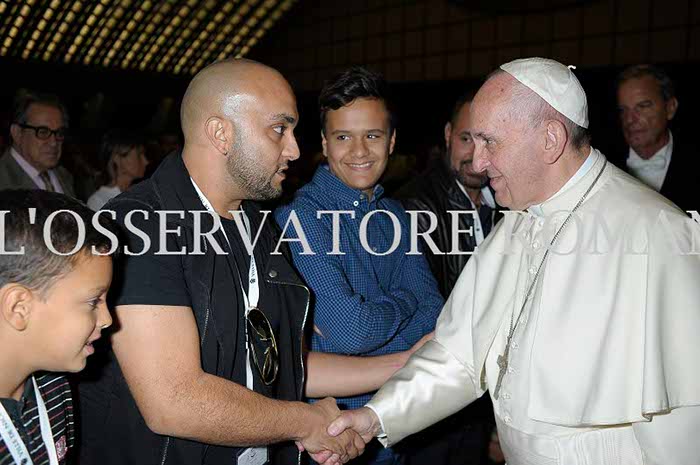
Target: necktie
x: 47, y: 181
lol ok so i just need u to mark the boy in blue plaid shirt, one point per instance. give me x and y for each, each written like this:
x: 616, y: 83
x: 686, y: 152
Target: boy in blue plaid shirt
x: 372, y: 296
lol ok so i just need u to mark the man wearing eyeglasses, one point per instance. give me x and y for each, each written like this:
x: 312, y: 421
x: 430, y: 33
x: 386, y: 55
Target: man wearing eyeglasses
x: 38, y: 129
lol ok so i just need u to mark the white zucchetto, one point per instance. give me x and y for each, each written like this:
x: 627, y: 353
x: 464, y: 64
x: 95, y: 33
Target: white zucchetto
x: 555, y: 83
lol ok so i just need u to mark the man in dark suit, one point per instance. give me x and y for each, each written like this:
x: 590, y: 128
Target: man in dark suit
x: 664, y: 160
x: 37, y: 131
x: 450, y: 184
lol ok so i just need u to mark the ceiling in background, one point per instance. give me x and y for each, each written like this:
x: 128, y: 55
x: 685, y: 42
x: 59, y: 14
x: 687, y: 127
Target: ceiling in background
x: 177, y: 37
x: 518, y: 6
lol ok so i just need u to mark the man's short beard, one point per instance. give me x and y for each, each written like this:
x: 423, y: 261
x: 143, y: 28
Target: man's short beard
x: 242, y: 165
x: 466, y: 181
x: 469, y: 181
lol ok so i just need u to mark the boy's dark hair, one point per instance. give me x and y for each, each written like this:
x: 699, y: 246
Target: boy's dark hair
x: 356, y: 82
x: 24, y: 99
x: 38, y: 267
x: 660, y: 76
x: 117, y: 142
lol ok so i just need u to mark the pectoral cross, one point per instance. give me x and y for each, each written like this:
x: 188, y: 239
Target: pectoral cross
x: 502, y: 362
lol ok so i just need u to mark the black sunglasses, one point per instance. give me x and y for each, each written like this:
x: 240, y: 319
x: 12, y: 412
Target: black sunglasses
x: 263, y: 345
x: 44, y: 133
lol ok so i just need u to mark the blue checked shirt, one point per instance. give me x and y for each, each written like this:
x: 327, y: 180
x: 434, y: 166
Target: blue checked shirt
x: 365, y: 304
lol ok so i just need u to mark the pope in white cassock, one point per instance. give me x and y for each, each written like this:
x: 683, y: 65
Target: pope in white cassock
x: 580, y: 313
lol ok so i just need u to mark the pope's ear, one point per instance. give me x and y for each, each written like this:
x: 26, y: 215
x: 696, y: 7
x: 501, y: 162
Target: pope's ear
x: 556, y: 137
x: 16, y: 305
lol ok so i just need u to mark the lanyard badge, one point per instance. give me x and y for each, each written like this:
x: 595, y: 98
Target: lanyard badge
x: 251, y: 455
x: 13, y: 440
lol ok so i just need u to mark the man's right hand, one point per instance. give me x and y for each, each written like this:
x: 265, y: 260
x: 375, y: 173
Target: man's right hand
x: 317, y: 442
x: 363, y: 421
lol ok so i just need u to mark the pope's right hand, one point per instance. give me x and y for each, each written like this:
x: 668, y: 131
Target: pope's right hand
x: 322, y: 447
x: 363, y: 421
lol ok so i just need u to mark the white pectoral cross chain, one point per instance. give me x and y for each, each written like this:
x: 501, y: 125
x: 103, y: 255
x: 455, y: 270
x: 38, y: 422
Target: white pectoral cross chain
x: 503, y: 360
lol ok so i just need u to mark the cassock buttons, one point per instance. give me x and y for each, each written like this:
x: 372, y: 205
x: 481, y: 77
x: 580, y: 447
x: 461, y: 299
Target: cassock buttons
x: 532, y: 270
x: 272, y: 273
x: 356, y: 203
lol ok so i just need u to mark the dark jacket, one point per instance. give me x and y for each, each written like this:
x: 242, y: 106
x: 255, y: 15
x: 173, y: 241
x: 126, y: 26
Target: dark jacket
x: 436, y: 190
x: 12, y: 176
x: 113, y: 430
x: 683, y: 175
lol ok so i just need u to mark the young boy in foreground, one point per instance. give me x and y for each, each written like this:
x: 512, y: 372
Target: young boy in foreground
x: 52, y: 308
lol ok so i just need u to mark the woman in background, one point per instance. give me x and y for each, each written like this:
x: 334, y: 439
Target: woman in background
x: 123, y: 155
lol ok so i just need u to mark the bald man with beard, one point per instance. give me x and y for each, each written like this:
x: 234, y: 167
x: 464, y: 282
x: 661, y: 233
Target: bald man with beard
x: 207, y: 365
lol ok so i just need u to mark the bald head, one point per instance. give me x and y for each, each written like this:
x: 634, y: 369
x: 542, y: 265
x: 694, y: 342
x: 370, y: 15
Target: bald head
x: 238, y: 119
x: 225, y: 89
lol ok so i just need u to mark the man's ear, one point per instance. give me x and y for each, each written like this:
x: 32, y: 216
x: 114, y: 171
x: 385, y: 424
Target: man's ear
x: 448, y: 133
x: 220, y: 133
x: 392, y: 142
x: 671, y: 108
x: 16, y: 305
x: 15, y: 132
x: 556, y: 138
x: 323, y: 144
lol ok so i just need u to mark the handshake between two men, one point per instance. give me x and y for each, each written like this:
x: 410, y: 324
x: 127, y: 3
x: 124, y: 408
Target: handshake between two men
x: 335, y: 436
x: 344, y: 438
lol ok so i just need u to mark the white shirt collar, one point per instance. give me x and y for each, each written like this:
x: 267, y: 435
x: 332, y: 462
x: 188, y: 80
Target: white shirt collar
x: 659, y: 160
x: 33, y: 173
x: 580, y: 173
x: 24, y: 164
x: 486, y: 195
x: 112, y: 190
x: 652, y: 171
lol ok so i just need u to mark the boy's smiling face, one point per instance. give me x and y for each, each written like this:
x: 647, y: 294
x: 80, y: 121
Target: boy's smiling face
x: 64, y: 324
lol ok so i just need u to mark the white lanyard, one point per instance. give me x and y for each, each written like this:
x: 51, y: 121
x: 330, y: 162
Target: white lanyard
x: 14, y: 442
x: 251, y: 298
